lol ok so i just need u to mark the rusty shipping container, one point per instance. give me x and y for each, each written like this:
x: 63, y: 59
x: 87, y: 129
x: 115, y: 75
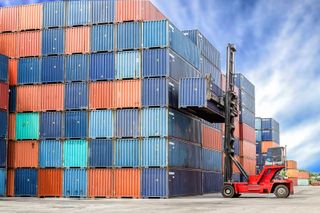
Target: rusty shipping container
x: 30, y: 17
x: 127, y: 94
x: 25, y: 154
x: 100, y: 183
x: 77, y: 40
x: 29, y: 43
x: 50, y: 182
x: 127, y: 183
x: 9, y: 17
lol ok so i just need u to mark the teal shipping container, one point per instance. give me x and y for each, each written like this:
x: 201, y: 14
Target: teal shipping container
x: 27, y: 126
x: 75, y: 153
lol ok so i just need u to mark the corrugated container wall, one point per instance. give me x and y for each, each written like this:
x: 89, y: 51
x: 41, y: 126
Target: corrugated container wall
x: 101, y: 95
x: 51, y: 125
x: 10, y: 182
x: 9, y: 44
x: 29, y: 44
x: 28, y: 98
x: 78, y: 12
x: 3, y: 68
x: 127, y: 183
x: 3, y: 177
x: 154, y: 183
x: 100, y: 182
x: 50, y: 182
x: 3, y: 125
x: 54, y: 14
x: 52, y: 69
x: 100, y: 153
x: 26, y: 154
x: 127, y: 153
x: 27, y: 126
x: 30, y: 17
x: 12, y: 99
x: 25, y: 182
x: 76, y: 124
x: 9, y: 17
x: 127, y: 94
x: 101, y: 124
x: 75, y: 153
x: 12, y: 127
x: 103, y: 11
x: 102, y: 66
x: 184, y: 182
x: 50, y: 154
x: 77, y: 40
x: 52, y: 97
x: 13, y: 71
x: 75, y: 183
x: 3, y: 153
x: 77, y: 67
x: 53, y: 41
x: 129, y: 35
x: 128, y: 65
x: 29, y: 71
x: 76, y: 95
x: 4, y: 94
x: 102, y: 38
x: 127, y: 123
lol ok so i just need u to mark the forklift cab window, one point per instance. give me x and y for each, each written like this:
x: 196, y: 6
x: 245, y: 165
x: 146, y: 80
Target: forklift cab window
x: 275, y: 156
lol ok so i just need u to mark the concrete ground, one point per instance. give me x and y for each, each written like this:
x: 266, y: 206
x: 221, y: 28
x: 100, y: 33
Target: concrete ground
x: 305, y: 200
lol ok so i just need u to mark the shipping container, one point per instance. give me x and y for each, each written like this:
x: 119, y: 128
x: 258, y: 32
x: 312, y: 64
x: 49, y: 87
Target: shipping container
x: 29, y: 43
x: 76, y: 95
x: 52, y: 69
x: 269, y: 124
x: 128, y: 65
x: 12, y: 99
x: 127, y: 94
x: 103, y: 11
x: 136, y: 10
x: 27, y: 126
x: 247, y: 101
x: 53, y: 41
x: 206, y: 67
x: 25, y: 182
x: 30, y: 17
x: 77, y: 67
x: 101, y: 124
x: 75, y: 183
x: 247, y: 149
x: 50, y: 182
x: 258, y: 123
x: 127, y: 153
x: 28, y: 98
x: 9, y: 17
x: 76, y: 124
x: 211, y: 138
x: 129, y: 35
x: 29, y: 71
x: 13, y: 71
x: 154, y: 183
x: 258, y: 136
x: 236, y: 146
x: 291, y: 164
x: 127, y: 183
x: 102, y: 38
x: 102, y: 66
x: 54, y: 14
x: 247, y: 133
x: 165, y: 122
x: 100, y: 183
x: 9, y: 44
x: 4, y: 94
x: 100, y: 153
x: 77, y: 40
x: 3, y: 180
x: 211, y: 160
x: 12, y: 126
x: 303, y: 175
x: 50, y: 154
x: 101, y: 95
x: 127, y: 123
x: 78, y: 12
x: 270, y: 135
x: 265, y: 145
x: 75, y: 153
x: 10, y: 182
x: 244, y: 84
x: 303, y: 182
x: 11, y: 154
x: 247, y: 117
x: 4, y: 68
x: 249, y: 165
x: 3, y: 153
x: 212, y: 182
x: 52, y: 97
x: 3, y: 124
x: 25, y: 154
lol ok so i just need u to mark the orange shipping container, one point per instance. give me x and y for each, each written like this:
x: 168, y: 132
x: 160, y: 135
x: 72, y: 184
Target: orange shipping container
x: 247, y: 149
x: 50, y: 182
x: 127, y: 93
x: 303, y: 175
x: 28, y: 98
x: 127, y: 183
x: 10, y: 182
x: 30, y: 17
x: 9, y: 44
x: 11, y: 155
x: 29, y: 43
x: 13, y: 72
x: 291, y: 164
x: 247, y: 133
x: 77, y: 40
x: 236, y: 128
x: 100, y: 183
x: 137, y: 10
x: 101, y: 95
x: 265, y: 145
x: 25, y: 154
x: 12, y: 126
x: 249, y: 165
x: 9, y: 19
x: 211, y: 138
x: 4, y: 96
x: 292, y: 173
x: 52, y: 97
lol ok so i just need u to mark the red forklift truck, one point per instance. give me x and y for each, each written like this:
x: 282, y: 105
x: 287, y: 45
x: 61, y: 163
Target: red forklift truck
x: 269, y: 180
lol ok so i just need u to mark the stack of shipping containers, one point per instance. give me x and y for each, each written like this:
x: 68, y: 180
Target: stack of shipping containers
x: 267, y: 136
x: 4, y: 99
x: 94, y: 102
x: 292, y: 171
x: 247, y: 134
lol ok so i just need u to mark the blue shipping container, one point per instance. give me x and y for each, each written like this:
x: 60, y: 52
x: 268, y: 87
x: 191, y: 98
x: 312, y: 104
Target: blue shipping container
x: 257, y: 123
x: 127, y: 123
x: 212, y: 182
x: 154, y: 152
x: 3, y: 68
x: 76, y: 95
x: 129, y: 35
x: 247, y: 101
x: 12, y: 99
x: 127, y: 153
x: 51, y: 125
x: 270, y: 135
x: 77, y: 67
x: 244, y: 84
x: 29, y: 71
x: 154, y: 182
x: 100, y: 153
x: 53, y: 41
x: 247, y: 117
x: 258, y: 148
x: 50, y: 154
x: 184, y: 182
x: 102, y: 38
x: 54, y: 14
x: 128, y: 65
x: 75, y: 183
x: 3, y: 153
x: 102, y: 66
x: 75, y: 153
x: 52, y: 69
x: 76, y: 124
x: 258, y: 135
x: 101, y: 124
x: 236, y: 146
x: 211, y: 160
x: 25, y: 182
x: 103, y: 11
x: 3, y: 182
x: 3, y: 124
x: 78, y: 12
x: 206, y: 67
x: 269, y: 124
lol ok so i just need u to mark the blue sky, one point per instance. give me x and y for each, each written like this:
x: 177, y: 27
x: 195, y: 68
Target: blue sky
x: 278, y: 45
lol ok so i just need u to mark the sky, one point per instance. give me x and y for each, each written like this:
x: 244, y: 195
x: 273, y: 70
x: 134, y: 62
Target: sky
x: 278, y: 49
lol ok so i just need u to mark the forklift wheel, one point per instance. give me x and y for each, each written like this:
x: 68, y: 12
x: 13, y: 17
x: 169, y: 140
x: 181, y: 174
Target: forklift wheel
x: 228, y: 191
x: 281, y: 191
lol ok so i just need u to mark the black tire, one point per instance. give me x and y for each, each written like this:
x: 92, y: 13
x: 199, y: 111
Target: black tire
x: 228, y: 191
x: 236, y: 195
x: 281, y: 191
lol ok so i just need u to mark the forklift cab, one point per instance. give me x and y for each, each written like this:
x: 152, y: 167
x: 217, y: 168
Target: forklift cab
x: 276, y: 156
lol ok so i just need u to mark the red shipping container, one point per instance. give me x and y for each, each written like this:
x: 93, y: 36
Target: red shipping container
x: 211, y: 138
x: 247, y: 133
x: 52, y: 97
x: 137, y: 10
x: 25, y: 154
x: 9, y: 19
x: 247, y: 149
x: 9, y: 44
x: 77, y: 40
x: 100, y: 183
x: 13, y: 72
x: 101, y: 95
x: 12, y: 126
x: 29, y: 98
x: 10, y: 182
x: 11, y: 154
x: 249, y: 165
x: 127, y: 183
x: 50, y: 182
x: 303, y: 175
x: 30, y: 17
x: 29, y: 43
x: 4, y: 94
x: 127, y: 93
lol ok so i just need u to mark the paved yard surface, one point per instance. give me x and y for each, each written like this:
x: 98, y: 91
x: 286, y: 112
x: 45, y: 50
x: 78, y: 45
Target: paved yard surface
x: 306, y: 200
